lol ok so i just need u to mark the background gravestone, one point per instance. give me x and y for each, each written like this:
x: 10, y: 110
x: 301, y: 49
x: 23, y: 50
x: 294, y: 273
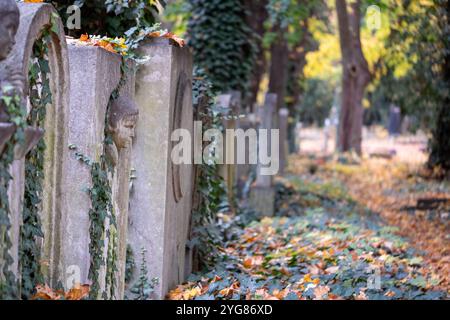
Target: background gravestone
x: 91, y: 89
x: 262, y: 194
x: 283, y: 115
x: 232, y: 103
x: 245, y: 172
x: 161, y: 201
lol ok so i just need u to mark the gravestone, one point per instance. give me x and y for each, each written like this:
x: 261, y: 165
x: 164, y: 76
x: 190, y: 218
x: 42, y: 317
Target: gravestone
x: 262, y: 194
x: 283, y: 115
x: 244, y: 171
x: 37, y: 21
x: 232, y: 103
x: 327, y: 135
x: 161, y: 201
x: 94, y: 113
x: 395, y: 120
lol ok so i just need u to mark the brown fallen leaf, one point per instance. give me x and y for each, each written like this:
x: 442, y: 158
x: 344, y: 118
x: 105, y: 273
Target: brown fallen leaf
x: 320, y: 291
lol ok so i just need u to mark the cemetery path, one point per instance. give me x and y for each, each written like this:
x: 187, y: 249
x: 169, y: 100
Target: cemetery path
x: 340, y: 232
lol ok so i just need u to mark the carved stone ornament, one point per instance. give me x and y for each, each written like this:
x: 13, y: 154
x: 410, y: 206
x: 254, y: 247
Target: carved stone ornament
x: 122, y: 120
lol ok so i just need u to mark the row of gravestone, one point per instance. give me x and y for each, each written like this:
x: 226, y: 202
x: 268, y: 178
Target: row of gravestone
x: 261, y: 193
x: 107, y: 132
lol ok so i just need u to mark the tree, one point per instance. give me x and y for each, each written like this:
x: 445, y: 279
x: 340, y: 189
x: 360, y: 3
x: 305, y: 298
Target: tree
x: 255, y: 19
x: 356, y: 76
x: 417, y: 68
x: 222, y: 42
x: 440, y: 142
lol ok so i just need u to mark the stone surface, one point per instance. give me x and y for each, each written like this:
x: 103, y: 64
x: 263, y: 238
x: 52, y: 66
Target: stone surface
x: 266, y: 115
x: 244, y: 171
x: 161, y: 200
x: 91, y: 89
x: 283, y: 115
x: 232, y: 102
x: 262, y: 200
x: 262, y: 195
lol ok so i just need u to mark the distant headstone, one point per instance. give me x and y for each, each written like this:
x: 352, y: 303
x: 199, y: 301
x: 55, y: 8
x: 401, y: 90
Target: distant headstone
x: 262, y: 194
x: 283, y: 115
x: 232, y: 103
x: 395, y: 120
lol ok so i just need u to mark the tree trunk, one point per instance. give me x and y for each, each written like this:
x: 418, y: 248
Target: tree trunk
x: 356, y: 77
x: 440, y: 143
x: 279, y: 66
x: 297, y: 63
x: 257, y: 15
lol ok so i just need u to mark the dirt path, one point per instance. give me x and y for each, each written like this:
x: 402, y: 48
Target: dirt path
x: 392, y: 188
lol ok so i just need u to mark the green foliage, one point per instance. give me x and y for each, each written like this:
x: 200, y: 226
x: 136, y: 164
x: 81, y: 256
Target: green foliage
x: 210, y: 185
x: 222, y: 43
x: 177, y: 13
x: 100, y: 194
x: 40, y: 97
x: 110, y: 17
x: 419, y: 41
x: 12, y: 102
x: 329, y: 252
x: 130, y: 264
x: 317, y: 102
x: 143, y: 289
x: 289, y: 15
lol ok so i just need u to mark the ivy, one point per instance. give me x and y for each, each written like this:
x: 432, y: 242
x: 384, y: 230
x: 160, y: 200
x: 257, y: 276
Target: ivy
x: 144, y: 287
x: 8, y: 282
x: 110, y: 17
x: 40, y: 97
x: 210, y: 188
x: 222, y: 42
x: 130, y: 264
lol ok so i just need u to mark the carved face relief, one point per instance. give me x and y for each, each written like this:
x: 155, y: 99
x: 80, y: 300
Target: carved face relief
x: 122, y: 121
x: 9, y: 23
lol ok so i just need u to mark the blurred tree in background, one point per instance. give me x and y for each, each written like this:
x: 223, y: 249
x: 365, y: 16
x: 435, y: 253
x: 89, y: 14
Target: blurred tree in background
x: 317, y: 102
x: 417, y: 68
x: 222, y: 42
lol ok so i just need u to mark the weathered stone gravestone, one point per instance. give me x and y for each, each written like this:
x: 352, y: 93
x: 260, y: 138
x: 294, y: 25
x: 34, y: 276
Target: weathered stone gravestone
x: 395, y: 120
x: 283, y: 115
x: 262, y: 194
x: 38, y: 68
x: 101, y: 126
x: 244, y: 171
x: 231, y: 102
x: 161, y: 200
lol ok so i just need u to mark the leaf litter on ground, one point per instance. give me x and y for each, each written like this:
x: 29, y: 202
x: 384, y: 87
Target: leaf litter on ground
x: 322, y: 244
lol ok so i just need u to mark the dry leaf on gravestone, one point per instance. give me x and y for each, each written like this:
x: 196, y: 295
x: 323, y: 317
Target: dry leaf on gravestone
x: 44, y: 292
x: 78, y: 292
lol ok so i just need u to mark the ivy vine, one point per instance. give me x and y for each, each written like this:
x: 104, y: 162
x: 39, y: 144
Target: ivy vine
x: 210, y: 186
x: 31, y: 230
x: 103, y: 224
x: 144, y: 288
x: 12, y: 102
